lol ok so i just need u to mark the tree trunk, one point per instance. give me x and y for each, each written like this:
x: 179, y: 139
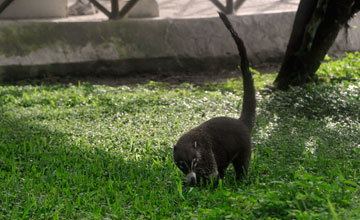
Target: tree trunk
x: 316, y: 26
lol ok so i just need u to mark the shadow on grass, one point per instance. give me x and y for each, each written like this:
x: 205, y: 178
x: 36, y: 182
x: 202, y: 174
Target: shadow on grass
x: 45, y: 173
x: 114, y: 79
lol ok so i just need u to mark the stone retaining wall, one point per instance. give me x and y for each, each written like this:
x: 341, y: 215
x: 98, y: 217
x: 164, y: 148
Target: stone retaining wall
x: 29, y: 48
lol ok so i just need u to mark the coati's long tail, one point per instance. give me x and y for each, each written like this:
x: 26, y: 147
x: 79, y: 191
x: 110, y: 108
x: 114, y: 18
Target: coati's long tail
x: 249, y: 101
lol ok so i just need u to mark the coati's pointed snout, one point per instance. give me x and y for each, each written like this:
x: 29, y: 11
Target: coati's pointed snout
x: 191, y: 178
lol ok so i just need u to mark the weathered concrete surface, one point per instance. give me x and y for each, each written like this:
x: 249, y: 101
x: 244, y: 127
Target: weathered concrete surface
x: 29, y: 48
x: 35, y: 9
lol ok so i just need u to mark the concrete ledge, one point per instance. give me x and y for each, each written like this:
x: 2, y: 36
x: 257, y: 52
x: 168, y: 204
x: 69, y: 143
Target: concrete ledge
x: 30, y: 49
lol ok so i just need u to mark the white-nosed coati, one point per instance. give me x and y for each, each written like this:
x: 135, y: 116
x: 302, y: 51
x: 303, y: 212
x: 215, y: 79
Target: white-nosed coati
x: 204, y: 152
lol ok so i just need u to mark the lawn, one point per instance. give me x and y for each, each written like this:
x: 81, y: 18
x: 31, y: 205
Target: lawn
x: 98, y: 152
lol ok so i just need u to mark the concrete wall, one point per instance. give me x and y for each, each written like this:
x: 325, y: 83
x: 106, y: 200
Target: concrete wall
x: 135, y: 45
x: 35, y: 9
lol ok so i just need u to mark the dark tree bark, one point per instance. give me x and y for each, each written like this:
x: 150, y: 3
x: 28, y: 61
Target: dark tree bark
x: 316, y: 26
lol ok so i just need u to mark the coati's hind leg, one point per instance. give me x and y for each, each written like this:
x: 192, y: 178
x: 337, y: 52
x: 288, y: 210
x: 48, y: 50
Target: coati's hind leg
x: 241, y: 166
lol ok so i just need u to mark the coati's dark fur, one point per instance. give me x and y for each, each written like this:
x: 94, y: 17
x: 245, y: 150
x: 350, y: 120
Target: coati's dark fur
x: 204, y: 152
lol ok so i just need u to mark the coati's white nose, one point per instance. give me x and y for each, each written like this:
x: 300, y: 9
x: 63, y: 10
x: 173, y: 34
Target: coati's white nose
x: 191, y: 177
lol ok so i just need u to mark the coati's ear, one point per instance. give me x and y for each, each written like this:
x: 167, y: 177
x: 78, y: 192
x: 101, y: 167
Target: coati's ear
x: 195, y: 145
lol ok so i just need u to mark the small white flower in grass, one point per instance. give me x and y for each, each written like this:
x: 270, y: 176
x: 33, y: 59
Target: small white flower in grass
x: 310, y: 145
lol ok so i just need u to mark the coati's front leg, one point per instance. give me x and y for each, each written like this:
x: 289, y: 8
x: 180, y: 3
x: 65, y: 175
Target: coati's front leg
x: 241, y: 166
x: 221, y: 172
x: 211, y: 177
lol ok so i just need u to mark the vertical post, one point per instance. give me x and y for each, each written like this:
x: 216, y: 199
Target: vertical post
x: 114, y: 9
x: 127, y: 8
x: 5, y: 4
x: 229, y: 7
x: 238, y: 4
x: 219, y: 5
x: 101, y: 8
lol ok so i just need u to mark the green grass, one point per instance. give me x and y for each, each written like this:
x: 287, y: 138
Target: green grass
x: 98, y: 152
